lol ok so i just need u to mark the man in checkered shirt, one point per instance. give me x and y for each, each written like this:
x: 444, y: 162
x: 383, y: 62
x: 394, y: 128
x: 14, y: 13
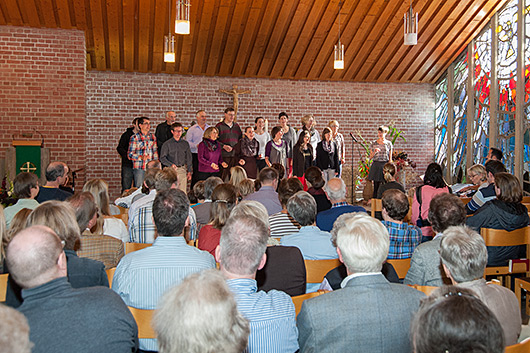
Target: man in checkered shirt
x: 142, y: 150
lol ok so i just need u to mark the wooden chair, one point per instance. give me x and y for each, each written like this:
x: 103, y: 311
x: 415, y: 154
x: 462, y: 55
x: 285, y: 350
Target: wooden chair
x: 526, y: 199
x: 401, y: 266
x: 377, y: 206
x: 316, y: 270
x: 465, y: 200
x: 130, y: 247
x: 123, y: 216
x: 501, y: 237
x: 425, y: 289
x: 110, y: 275
x: 521, y: 347
x: 299, y: 299
x: 522, y: 284
x: 143, y: 319
x: 192, y: 242
x: 3, y: 287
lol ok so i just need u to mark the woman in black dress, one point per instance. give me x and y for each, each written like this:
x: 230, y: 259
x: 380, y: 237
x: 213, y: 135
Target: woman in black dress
x: 302, y: 154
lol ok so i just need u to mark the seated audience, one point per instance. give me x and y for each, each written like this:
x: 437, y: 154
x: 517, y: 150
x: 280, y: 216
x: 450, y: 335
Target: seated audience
x: 131, y: 195
x: 487, y: 193
x: 453, y: 320
x: 104, y: 248
x: 14, y: 331
x: 336, y: 192
x: 61, y: 318
x: 505, y: 212
x: 271, y: 315
x: 389, y: 173
x: 476, y: 174
x: 280, y: 169
x: 200, y: 315
x: 494, y: 154
x: 445, y: 210
x: 464, y: 257
x: 106, y: 224
x: 267, y: 194
x: 224, y: 198
x: 149, y: 185
x: 198, y: 193
x: 237, y: 175
x: 245, y: 188
x: 404, y: 238
x: 56, y: 175
x: 26, y: 188
x: 352, y: 319
x: 282, y: 223
x: 315, y: 182
x: 144, y: 275
x: 202, y: 211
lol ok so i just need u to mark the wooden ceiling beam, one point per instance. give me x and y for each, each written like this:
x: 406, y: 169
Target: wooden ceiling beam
x: 63, y: 14
x: 144, y: 17
x: 114, y: 34
x: 96, y: 19
x: 206, y: 20
x: 13, y: 11
x: 30, y: 14
x: 48, y: 13
x: 160, y: 30
x: 236, y: 25
x: 80, y: 15
x: 129, y: 11
x: 216, y: 47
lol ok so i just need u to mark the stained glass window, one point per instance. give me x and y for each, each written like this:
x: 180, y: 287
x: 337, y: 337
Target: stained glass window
x: 507, y: 69
x: 460, y: 117
x: 440, y: 132
x: 526, y: 128
x: 482, y: 79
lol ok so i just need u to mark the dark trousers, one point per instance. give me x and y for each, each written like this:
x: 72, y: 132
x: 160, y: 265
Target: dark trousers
x: 195, y: 174
x: 127, y: 179
x: 204, y: 175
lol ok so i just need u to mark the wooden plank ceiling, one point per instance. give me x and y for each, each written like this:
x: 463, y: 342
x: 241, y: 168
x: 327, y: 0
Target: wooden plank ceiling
x: 289, y: 39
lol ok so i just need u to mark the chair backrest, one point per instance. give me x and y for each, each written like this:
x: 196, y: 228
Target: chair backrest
x: 521, y: 347
x: 401, y: 266
x: 377, y: 206
x: 3, y: 287
x: 317, y: 269
x: 425, y: 289
x: 123, y: 216
x: 143, y: 320
x: 299, y: 299
x: 501, y: 237
x: 110, y: 275
x: 130, y: 247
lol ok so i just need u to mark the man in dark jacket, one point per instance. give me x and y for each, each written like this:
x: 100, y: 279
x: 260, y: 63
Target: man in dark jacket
x: 126, y: 164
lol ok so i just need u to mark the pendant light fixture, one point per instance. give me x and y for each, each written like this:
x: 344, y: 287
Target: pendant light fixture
x: 182, y: 20
x: 169, y: 40
x: 338, y: 62
x: 411, y: 27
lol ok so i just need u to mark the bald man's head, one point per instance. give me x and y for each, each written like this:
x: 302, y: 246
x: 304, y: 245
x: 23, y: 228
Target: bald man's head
x: 35, y: 256
x: 336, y: 190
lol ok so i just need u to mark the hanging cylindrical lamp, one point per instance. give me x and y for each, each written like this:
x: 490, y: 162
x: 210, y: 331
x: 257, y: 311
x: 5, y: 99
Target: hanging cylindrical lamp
x: 411, y: 27
x: 338, y: 60
x: 169, y: 48
x: 182, y: 21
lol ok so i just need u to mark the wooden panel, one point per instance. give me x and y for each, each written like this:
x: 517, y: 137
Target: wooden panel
x: 80, y: 15
x: 144, y: 16
x: 96, y: 19
x: 63, y: 14
x: 216, y: 45
x: 114, y: 34
x: 207, y: 18
x: 161, y: 29
x: 48, y: 13
x: 129, y: 11
x: 14, y: 15
x: 188, y: 54
x: 30, y: 14
x: 236, y: 30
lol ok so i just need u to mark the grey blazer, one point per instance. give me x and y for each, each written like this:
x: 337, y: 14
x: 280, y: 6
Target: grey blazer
x: 369, y: 315
x: 426, y: 267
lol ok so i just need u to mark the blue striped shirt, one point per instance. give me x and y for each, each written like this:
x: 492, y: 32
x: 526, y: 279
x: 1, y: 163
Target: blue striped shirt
x: 271, y: 316
x: 143, y: 276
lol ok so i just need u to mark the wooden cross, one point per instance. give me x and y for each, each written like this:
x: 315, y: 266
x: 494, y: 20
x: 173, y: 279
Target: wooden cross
x: 235, y: 93
x: 28, y: 167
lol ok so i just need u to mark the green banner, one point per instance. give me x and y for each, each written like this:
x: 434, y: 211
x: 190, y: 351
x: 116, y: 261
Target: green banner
x: 28, y: 159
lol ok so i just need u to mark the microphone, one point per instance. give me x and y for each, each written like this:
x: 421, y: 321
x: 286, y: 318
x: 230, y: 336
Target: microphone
x: 353, y: 137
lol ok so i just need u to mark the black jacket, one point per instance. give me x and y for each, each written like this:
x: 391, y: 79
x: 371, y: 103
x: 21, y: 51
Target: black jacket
x: 123, y: 147
x: 498, y: 214
x: 299, y: 160
x: 327, y: 160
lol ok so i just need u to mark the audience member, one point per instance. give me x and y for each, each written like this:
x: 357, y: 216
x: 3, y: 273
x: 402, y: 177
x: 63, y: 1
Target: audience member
x: 445, y: 210
x: 61, y: 318
x: 175, y: 153
x: 271, y: 315
x: 237, y: 175
x: 433, y: 184
x: 464, y: 257
x: 476, y: 174
x: 353, y: 318
x: 453, y: 320
x: 14, y: 331
x: 389, y: 173
x: 494, y: 154
x: 487, y: 193
x: 315, y: 182
x: 143, y: 276
x: 198, y: 193
x: 224, y: 198
x: 17, y: 224
x: 56, y: 175
x: 280, y: 169
x: 26, y: 188
x: 335, y: 190
x: 202, y: 211
x: 404, y: 237
x: 200, y: 315
x: 127, y: 179
x: 148, y: 194
x: 505, y: 212
x: 245, y: 188
x: 129, y: 196
x: 282, y: 223
x: 142, y: 149
x: 105, y: 224
x: 104, y: 248
x: 267, y: 194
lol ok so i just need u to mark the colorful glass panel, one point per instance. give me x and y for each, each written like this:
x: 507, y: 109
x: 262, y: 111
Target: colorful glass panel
x: 526, y: 128
x: 440, y: 131
x: 482, y: 79
x: 460, y: 116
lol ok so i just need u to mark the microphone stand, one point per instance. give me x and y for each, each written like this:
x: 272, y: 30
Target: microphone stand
x: 353, y: 142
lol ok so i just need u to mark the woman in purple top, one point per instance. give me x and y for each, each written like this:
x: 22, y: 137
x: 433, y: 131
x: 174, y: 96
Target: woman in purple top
x: 276, y: 149
x: 209, y: 154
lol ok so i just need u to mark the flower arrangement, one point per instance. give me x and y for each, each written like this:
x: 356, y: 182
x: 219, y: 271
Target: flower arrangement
x: 6, y: 192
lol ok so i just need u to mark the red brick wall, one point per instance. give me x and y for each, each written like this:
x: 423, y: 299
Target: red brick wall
x: 114, y: 99
x: 42, y: 89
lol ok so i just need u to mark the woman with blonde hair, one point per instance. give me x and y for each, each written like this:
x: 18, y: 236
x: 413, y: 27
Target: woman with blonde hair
x: 237, y: 175
x: 389, y: 173
x: 106, y: 224
x: 224, y: 198
x: 476, y: 174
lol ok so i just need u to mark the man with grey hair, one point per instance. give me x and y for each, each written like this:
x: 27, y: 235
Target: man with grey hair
x: 63, y: 319
x: 202, y: 211
x: 14, y: 331
x: 336, y: 191
x: 56, y: 175
x: 464, y: 258
x: 241, y: 252
x: 369, y: 314
x: 204, y: 305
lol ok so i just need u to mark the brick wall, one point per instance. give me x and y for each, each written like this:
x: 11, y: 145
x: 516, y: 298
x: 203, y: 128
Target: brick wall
x: 114, y: 99
x: 42, y: 90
